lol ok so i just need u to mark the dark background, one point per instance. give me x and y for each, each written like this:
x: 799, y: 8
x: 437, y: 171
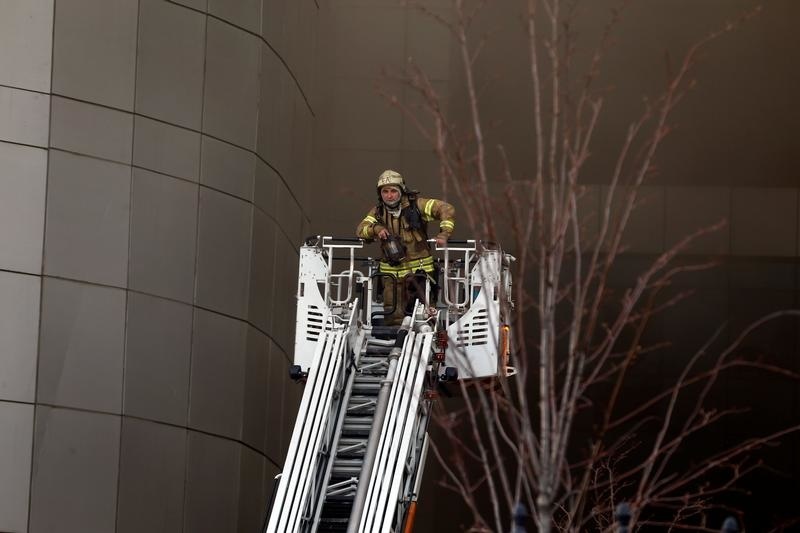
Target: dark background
x: 733, y: 155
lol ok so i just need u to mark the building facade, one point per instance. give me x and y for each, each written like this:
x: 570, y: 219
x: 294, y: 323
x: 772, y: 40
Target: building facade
x: 152, y: 161
x: 161, y: 161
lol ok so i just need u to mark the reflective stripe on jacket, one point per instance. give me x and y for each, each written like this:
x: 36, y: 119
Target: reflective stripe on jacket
x: 414, y: 240
x: 407, y: 267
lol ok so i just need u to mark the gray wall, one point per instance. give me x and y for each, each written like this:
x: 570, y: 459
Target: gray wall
x: 153, y: 156
x: 732, y: 153
x: 161, y: 160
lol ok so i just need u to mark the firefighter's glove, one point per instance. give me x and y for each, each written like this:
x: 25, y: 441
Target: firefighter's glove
x: 380, y: 232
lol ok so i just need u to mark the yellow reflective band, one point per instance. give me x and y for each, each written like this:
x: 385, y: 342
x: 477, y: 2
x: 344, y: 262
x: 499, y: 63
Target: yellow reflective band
x: 366, y: 232
x: 447, y: 224
x: 429, y: 207
x: 371, y: 219
x: 407, y: 267
x: 425, y: 261
x: 402, y: 273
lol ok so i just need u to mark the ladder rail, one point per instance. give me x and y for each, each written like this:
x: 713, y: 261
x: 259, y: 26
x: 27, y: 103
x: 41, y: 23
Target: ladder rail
x: 387, y: 437
x: 310, y: 446
x: 307, y: 435
x: 393, y: 480
x: 341, y: 386
x: 362, y: 428
x: 285, y: 494
x: 378, y: 424
x: 322, y: 493
x: 396, y: 439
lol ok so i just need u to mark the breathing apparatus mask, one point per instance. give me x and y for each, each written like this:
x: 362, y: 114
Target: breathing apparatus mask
x: 393, y: 250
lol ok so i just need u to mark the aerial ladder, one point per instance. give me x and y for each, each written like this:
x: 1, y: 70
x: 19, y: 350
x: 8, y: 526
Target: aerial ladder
x: 360, y: 442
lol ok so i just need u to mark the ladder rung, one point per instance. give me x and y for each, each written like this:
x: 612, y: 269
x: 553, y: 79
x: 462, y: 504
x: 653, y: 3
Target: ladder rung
x: 346, y: 470
x: 351, y: 448
x: 380, y: 366
x: 342, y: 487
x: 379, y: 350
x: 367, y: 387
x: 362, y: 406
x: 367, y: 378
x: 357, y: 424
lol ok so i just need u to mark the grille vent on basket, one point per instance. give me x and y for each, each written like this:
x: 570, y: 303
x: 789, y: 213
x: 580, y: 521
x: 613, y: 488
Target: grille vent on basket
x: 476, y: 332
x: 314, y: 323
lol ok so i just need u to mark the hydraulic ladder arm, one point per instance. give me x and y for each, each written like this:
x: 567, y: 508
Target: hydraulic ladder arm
x: 359, y: 443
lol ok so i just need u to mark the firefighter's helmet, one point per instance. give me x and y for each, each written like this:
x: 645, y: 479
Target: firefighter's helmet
x: 390, y: 177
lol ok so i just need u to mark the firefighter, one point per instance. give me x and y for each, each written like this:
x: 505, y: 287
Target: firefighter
x: 400, y: 222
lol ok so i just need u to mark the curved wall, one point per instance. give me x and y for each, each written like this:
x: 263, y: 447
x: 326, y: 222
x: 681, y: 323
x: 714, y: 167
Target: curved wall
x: 153, y: 156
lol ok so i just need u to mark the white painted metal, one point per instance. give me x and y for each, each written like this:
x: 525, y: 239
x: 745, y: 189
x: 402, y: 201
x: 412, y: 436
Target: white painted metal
x: 329, y: 329
x: 394, y: 478
x: 313, y: 312
x: 324, y: 296
x: 475, y: 335
x: 389, y: 435
x: 291, y: 499
x: 404, y: 417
